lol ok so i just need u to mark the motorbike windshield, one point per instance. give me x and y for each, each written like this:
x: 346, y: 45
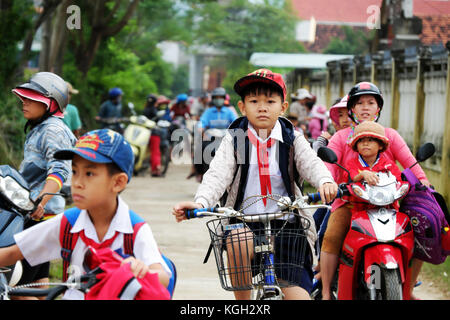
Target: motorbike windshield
x: 382, y: 194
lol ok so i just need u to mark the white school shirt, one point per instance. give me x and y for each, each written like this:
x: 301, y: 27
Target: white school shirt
x: 253, y: 186
x: 40, y: 243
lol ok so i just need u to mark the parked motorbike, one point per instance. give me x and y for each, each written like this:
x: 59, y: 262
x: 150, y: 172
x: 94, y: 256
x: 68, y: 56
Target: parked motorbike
x: 16, y: 207
x: 377, y: 251
x: 138, y: 133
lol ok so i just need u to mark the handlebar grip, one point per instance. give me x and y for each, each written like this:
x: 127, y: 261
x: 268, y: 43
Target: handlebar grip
x: 197, y: 213
x: 314, y: 197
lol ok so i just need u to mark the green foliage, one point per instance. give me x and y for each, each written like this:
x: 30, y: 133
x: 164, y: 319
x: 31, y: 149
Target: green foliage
x: 355, y: 42
x: 11, y: 130
x: 242, y: 27
x: 15, y: 19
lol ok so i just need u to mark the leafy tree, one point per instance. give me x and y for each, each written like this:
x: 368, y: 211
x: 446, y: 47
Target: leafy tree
x: 15, y: 21
x: 242, y: 27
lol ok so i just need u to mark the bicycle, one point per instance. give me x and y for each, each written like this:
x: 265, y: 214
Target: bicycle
x: 243, y: 239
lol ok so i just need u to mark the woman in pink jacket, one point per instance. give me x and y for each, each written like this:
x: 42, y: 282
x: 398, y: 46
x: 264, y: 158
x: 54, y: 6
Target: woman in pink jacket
x: 365, y: 102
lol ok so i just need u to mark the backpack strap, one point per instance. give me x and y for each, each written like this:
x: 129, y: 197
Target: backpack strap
x: 128, y: 238
x: 68, y: 239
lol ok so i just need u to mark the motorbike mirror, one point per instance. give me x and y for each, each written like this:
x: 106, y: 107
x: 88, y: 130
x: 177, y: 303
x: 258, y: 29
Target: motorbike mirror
x: 131, y: 107
x: 425, y: 152
x: 327, y: 155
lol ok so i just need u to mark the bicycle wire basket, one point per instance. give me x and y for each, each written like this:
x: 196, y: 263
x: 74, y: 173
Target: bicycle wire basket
x: 241, y: 251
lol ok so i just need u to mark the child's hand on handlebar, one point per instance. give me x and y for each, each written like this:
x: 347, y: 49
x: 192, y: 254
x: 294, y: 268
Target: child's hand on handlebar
x: 328, y: 191
x: 179, y: 209
x: 38, y: 213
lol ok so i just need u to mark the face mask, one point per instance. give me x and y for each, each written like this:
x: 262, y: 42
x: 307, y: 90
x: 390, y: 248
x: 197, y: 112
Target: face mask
x: 218, y: 102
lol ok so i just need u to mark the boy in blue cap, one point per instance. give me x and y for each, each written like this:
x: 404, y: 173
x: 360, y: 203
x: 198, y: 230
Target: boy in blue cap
x: 102, y: 165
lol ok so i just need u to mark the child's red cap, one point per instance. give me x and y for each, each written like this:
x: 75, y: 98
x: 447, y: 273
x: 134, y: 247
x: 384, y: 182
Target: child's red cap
x: 261, y: 75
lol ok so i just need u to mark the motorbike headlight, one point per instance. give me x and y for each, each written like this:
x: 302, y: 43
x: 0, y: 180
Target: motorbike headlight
x: 18, y: 195
x: 381, y: 196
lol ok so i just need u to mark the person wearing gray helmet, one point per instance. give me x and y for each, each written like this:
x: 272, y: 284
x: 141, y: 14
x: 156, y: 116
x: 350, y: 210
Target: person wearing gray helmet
x: 44, y: 99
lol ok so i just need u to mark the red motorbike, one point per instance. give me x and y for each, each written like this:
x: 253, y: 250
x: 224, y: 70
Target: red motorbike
x: 376, y: 254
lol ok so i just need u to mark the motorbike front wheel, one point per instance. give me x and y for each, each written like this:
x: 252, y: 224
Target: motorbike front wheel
x: 392, y: 285
x: 386, y: 285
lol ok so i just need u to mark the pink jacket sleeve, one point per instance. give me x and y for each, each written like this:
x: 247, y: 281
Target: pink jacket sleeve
x: 399, y: 151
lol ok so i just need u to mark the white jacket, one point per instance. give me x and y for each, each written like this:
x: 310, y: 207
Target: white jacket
x: 222, y: 170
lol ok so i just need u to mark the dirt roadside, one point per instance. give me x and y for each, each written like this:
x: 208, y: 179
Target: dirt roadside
x: 186, y: 243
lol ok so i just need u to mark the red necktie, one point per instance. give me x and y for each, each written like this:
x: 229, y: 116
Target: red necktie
x: 95, y: 245
x: 263, y: 163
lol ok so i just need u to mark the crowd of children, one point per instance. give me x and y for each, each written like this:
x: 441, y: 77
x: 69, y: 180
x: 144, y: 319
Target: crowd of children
x: 98, y: 166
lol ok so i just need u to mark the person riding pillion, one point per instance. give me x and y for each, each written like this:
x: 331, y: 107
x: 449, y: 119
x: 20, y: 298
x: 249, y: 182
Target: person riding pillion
x: 44, y: 99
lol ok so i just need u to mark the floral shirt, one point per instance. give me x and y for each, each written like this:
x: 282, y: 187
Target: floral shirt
x: 38, y: 163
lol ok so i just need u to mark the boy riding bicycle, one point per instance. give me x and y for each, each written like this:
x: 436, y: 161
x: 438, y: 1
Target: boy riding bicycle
x: 262, y: 155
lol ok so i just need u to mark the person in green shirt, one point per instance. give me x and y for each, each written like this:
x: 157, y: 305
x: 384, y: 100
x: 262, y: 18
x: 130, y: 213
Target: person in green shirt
x: 71, y: 116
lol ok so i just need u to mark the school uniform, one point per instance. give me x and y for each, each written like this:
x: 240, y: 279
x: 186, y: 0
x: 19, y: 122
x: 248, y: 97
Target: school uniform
x: 41, y: 243
x: 237, y: 171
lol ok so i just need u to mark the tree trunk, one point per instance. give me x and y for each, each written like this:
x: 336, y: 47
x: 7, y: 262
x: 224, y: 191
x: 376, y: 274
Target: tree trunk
x: 101, y: 30
x: 49, y: 7
x: 46, y: 36
x: 58, y: 40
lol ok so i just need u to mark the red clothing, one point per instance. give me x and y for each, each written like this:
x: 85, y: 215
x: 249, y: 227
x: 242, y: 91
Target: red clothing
x: 118, y: 282
x: 179, y: 110
x: 383, y: 164
x: 397, y: 151
x: 355, y: 166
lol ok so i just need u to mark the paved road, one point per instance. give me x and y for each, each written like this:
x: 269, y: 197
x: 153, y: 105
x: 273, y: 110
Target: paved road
x: 186, y: 242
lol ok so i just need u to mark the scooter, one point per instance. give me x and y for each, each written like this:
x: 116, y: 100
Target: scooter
x: 138, y: 133
x: 377, y: 251
x: 16, y: 206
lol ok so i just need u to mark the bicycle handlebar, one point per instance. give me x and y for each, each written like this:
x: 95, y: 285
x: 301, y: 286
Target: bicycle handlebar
x: 229, y: 212
x: 82, y: 283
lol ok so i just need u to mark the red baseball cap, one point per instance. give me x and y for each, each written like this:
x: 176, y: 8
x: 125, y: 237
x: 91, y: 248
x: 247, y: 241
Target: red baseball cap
x: 261, y: 75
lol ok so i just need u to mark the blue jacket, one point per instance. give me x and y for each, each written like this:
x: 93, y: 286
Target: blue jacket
x: 40, y: 144
x: 213, y: 118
